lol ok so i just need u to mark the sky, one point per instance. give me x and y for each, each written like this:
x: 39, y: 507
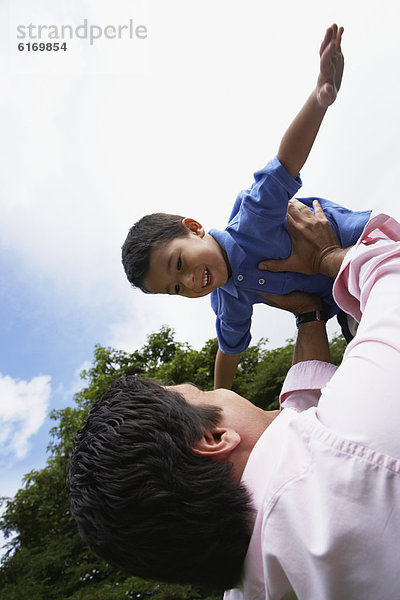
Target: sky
x: 171, y: 107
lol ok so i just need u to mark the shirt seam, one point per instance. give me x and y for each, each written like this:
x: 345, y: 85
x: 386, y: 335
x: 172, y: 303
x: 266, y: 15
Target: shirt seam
x: 351, y: 448
x: 278, y: 493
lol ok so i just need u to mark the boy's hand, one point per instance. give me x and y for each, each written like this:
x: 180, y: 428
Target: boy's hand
x: 331, y: 67
x: 301, y: 133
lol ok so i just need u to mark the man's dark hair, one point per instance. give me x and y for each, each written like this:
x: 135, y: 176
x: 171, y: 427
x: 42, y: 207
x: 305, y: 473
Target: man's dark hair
x: 145, y: 235
x: 144, y: 501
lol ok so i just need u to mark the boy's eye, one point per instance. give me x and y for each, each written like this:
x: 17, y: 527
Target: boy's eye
x: 179, y: 264
x: 177, y: 289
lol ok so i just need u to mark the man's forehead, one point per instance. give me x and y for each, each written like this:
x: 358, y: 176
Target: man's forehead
x: 184, y: 385
x: 186, y: 389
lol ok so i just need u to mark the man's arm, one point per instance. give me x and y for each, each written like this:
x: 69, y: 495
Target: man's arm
x: 312, y: 341
x: 311, y: 368
x: 225, y: 369
x: 299, y: 138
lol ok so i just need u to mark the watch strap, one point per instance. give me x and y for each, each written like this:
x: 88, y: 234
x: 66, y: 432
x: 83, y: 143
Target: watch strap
x: 316, y: 315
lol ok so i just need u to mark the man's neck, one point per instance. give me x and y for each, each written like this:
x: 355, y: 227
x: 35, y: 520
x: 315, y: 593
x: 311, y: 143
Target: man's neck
x: 241, y: 455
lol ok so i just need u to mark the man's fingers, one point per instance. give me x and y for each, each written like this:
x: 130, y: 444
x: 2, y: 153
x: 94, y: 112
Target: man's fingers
x: 292, y: 224
x: 295, y: 302
x: 318, y: 212
x: 295, y: 204
x: 318, y: 209
x: 297, y: 214
x: 269, y: 299
x: 295, y: 207
x: 275, y: 265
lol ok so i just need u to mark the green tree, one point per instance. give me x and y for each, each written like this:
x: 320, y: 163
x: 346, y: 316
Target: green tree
x: 46, y: 559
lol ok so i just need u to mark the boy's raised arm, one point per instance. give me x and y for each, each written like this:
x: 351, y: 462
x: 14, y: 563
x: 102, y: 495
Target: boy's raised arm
x: 299, y: 137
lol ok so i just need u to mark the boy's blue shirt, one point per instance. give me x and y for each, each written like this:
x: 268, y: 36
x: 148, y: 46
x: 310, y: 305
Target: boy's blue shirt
x: 256, y: 231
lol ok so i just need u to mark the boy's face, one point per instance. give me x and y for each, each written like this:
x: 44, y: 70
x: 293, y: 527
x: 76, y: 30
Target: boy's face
x: 191, y: 266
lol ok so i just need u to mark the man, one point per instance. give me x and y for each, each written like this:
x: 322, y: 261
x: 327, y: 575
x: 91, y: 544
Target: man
x: 309, y: 498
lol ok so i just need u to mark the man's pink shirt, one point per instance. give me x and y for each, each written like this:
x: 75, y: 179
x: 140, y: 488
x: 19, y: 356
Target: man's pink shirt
x: 325, y: 475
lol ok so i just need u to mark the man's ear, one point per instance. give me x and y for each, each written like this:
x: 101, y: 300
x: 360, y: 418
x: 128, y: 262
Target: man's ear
x: 193, y: 226
x: 216, y: 444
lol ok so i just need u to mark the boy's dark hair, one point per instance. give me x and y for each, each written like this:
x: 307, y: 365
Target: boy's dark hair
x: 144, y: 501
x: 148, y: 233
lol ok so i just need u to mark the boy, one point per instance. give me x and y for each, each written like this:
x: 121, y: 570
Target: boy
x: 169, y: 254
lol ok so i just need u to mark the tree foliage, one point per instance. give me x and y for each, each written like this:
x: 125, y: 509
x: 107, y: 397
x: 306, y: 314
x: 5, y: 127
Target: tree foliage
x: 46, y: 558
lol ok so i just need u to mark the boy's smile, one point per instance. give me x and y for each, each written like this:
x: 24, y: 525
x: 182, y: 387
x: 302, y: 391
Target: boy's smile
x: 191, y: 266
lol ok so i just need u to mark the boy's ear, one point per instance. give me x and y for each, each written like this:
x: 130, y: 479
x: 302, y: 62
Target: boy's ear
x: 193, y: 226
x: 216, y: 444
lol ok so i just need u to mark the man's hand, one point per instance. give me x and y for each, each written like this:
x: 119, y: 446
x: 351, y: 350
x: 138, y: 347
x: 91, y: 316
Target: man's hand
x: 297, y: 303
x: 315, y: 247
x: 331, y: 67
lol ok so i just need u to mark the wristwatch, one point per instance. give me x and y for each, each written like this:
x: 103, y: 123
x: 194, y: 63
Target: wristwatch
x: 316, y: 315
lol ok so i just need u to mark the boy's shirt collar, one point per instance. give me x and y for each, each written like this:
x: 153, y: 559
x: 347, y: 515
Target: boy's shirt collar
x: 236, y: 257
x: 230, y: 288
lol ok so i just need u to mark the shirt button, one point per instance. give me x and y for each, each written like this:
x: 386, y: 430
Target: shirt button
x: 261, y: 281
x: 240, y: 277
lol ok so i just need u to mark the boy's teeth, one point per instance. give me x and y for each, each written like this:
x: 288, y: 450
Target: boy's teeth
x: 206, y: 277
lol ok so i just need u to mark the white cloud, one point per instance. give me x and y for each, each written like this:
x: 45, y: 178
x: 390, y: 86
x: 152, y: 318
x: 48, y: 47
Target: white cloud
x: 23, y: 409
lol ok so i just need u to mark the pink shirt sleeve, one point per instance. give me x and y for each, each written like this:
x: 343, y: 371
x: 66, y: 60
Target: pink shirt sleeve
x: 361, y: 401
x: 304, y: 381
x: 363, y: 266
